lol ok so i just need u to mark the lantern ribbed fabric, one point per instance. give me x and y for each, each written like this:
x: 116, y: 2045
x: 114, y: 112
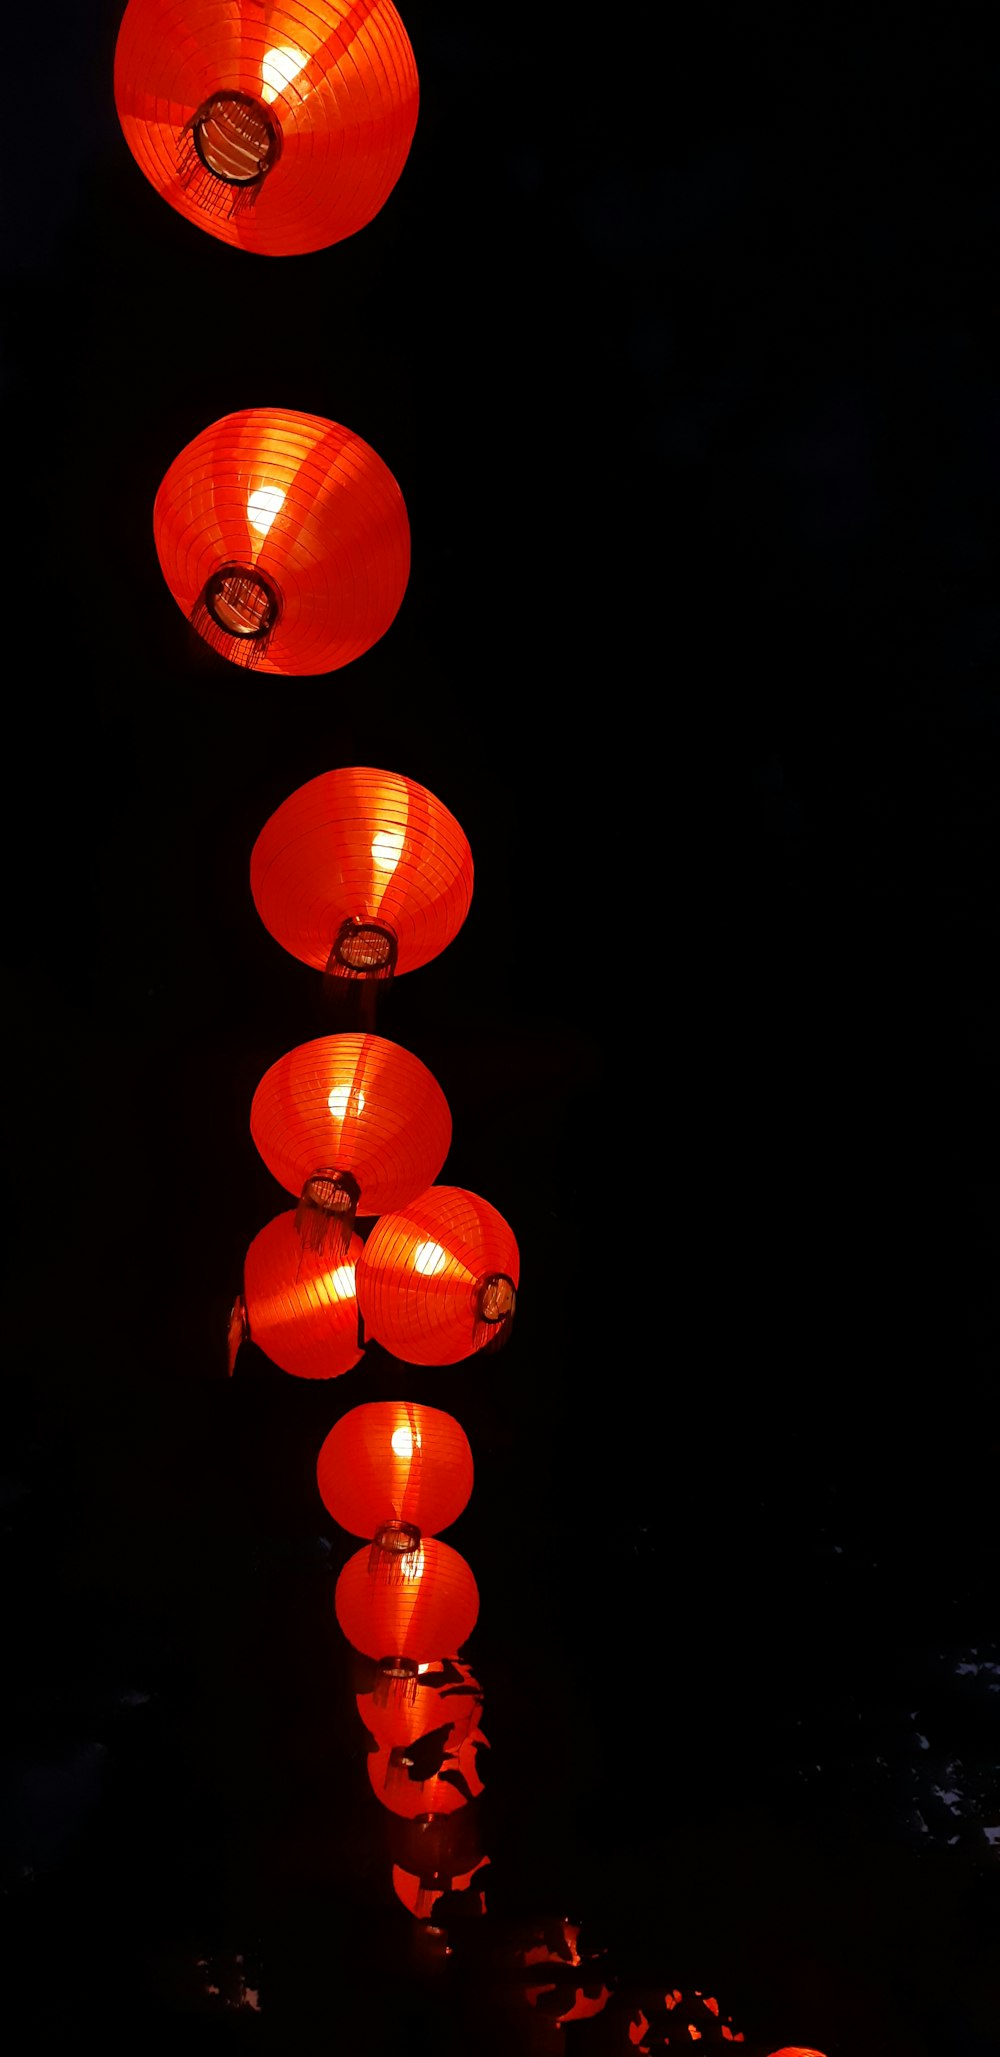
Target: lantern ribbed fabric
x: 389, y: 1460
x: 300, y: 1310
x: 328, y: 94
x: 284, y: 538
x: 434, y: 1607
x: 362, y: 846
x: 420, y: 1275
x: 445, y: 1693
x: 356, y: 1103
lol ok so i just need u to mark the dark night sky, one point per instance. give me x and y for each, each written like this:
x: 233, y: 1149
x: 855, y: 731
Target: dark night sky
x: 683, y: 349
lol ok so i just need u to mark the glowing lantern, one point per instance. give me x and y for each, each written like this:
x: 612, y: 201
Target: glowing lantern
x: 284, y: 539
x: 362, y: 873
x: 796, y: 2050
x: 278, y: 128
x: 433, y: 1606
x: 396, y: 1473
x: 443, y: 1693
x: 353, y: 1125
x: 431, y: 1775
x: 571, y: 1997
x: 419, y: 1893
x: 298, y: 1308
x: 438, y: 1277
x: 666, y: 2018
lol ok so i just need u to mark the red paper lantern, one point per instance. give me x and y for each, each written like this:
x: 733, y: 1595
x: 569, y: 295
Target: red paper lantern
x: 284, y: 539
x: 299, y: 1309
x: 445, y: 1692
x: 434, y: 1606
x: 395, y: 1472
x: 396, y: 1781
x: 418, y: 1894
x: 666, y: 2018
x: 437, y: 1279
x: 362, y: 873
x: 354, y: 1125
x: 572, y: 1996
x: 277, y: 125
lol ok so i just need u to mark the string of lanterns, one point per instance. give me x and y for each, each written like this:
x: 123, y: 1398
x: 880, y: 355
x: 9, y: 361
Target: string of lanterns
x: 281, y: 127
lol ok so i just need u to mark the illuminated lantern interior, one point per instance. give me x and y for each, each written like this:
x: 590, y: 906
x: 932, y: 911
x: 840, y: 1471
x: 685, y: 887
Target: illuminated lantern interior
x: 362, y: 874
x: 433, y: 1606
x: 395, y: 1472
x: 437, y: 1280
x: 353, y: 1125
x: 278, y: 129
x: 298, y: 1307
x: 284, y: 539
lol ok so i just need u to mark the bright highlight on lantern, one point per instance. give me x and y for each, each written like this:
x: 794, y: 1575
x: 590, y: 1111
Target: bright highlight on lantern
x: 387, y: 849
x: 262, y: 506
x: 278, y: 68
x: 429, y: 1259
x: 411, y: 1564
x: 403, y: 1443
x: 342, y: 1282
x: 338, y: 1100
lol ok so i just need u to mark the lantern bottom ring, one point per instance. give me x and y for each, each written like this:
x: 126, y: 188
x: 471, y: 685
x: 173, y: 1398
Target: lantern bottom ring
x: 226, y: 151
x: 236, y: 612
x: 363, y: 950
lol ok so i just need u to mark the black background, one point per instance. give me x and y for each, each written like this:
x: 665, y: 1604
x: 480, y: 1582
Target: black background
x: 682, y: 345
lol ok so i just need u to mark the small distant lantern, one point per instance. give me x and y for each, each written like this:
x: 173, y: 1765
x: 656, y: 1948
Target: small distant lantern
x: 419, y: 1893
x: 433, y: 1606
x: 395, y: 1472
x: 362, y: 874
x: 284, y: 539
x: 353, y: 1125
x: 297, y: 1307
x: 277, y: 128
x: 437, y: 1280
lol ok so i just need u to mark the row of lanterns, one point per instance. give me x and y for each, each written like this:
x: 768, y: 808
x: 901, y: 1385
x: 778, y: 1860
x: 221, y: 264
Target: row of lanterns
x: 281, y: 127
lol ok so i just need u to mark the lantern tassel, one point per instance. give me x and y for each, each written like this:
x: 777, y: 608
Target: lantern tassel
x: 394, y: 1555
x: 326, y: 1213
x: 396, y: 1682
x: 239, y: 1331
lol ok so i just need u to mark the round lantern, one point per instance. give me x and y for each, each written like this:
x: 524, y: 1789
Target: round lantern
x: 353, y: 1125
x: 427, y: 1776
x: 432, y: 1607
x: 299, y: 1309
x: 443, y: 1694
x: 276, y: 125
x: 419, y: 1893
x: 664, y: 2018
x: 395, y: 1472
x: 437, y: 1279
x: 284, y: 539
x: 362, y: 873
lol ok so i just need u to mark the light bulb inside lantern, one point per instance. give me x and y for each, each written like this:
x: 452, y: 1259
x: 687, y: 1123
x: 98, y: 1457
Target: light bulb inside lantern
x: 339, y: 1098
x: 341, y: 1282
x: 262, y: 506
x: 387, y: 849
x: 278, y: 68
x: 404, y: 1442
x: 429, y: 1259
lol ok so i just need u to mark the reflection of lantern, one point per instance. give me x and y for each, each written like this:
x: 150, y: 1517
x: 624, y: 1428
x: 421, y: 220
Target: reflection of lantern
x: 396, y: 1473
x: 284, y: 539
x: 444, y: 1693
x: 296, y: 1306
x: 278, y: 128
x: 353, y: 1124
x: 665, y: 2018
x: 431, y: 1775
x: 432, y: 1607
x: 438, y: 1277
x: 362, y: 873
